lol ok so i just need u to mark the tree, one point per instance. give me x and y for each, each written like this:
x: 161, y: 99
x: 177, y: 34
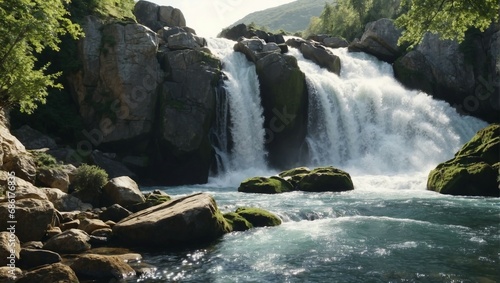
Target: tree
x: 27, y: 27
x: 448, y: 18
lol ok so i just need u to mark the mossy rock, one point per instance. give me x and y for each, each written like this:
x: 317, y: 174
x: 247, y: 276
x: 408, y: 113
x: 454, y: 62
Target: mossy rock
x: 264, y: 185
x: 258, y: 217
x: 326, y: 179
x: 468, y: 176
x: 237, y: 222
x: 485, y: 144
x: 293, y: 176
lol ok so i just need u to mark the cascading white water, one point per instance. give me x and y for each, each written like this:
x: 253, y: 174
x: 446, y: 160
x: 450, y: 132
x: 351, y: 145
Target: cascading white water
x: 366, y: 122
x: 245, y: 111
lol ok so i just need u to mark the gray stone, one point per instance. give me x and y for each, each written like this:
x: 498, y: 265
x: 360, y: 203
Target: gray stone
x: 335, y: 42
x: 171, y: 16
x: 321, y: 56
x: 183, y: 40
x: 33, y: 139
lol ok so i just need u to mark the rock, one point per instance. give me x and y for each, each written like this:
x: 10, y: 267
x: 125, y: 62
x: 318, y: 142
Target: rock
x: 31, y: 258
x: 188, y: 220
x: 154, y: 198
x: 119, y: 105
x: 380, y: 39
x: 184, y: 40
x: 255, y: 48
x: 90, y: 225
x: 14, y: 157
x: 56, y: 272
x: 65, y: 202
x: 187, y: 112
x: 241, y: 30
x: 123, y: 191
x: 103, y: 232
x: 74, y: 224
x: 326, y: 179
x: 235, y: 32
x: 293, y: 176
x: 33, y: 217
x: 32, y: 245
x: 335, y: 42
x: 69, y: 242
x: 33, y: 139
x: 321, y: 56
x: 171, y: 16
x: 258, y: 217
x: 8, y: 274
x: 295, y: 42
x: 414, y: 71
x: 23, y: 189
x: 53, y: 231
x: 115, y: 213
x: 263, y: 185
x: 474, y: 171
x: 113, y: 167
x: 102, y: 267
x: 284, y: 100
x: 237, y: 222
x: 54, y: 178
x: 10, y: 248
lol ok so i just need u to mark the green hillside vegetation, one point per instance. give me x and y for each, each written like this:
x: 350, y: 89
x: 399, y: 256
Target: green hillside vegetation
x: 291, y: 17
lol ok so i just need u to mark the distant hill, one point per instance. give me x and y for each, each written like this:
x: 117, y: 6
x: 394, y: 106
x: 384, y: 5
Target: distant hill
x: 291, y: 17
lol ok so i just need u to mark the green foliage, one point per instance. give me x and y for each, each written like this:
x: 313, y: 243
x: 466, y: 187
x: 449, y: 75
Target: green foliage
x: 44, y: 160
x: 118, y: 9
x: 27, y: 27
x: 347, y: 18
x: 89, y: 177
x: 448, y: 18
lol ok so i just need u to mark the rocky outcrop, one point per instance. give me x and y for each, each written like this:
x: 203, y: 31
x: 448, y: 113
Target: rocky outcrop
x: 33, y: 139
x: 123, y: 191
x: 187, y: 220
x: 156, y: 17
x: 380, y: 39
x: 256, y: 48
x: 186, y: 114
x: 56, y: 272
x: 318, y: 54
x: 33, y: 218
x: 69, y: 242
x: 102, y: 267
x: 264, y: 185
x: 475, y: 169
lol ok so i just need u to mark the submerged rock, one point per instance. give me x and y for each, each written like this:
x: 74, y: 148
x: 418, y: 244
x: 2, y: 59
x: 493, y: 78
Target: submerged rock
x: 188, y: 220
x: 326, y: 179
x: 264, y: 185
x: 474, y: 171
x: 258, y: 217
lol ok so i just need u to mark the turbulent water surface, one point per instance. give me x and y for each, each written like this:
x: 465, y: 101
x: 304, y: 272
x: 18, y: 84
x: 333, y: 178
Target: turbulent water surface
x: 389, y: 229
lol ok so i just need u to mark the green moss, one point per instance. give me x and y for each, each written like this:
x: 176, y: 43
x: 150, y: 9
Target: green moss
x: 326, y: 179
x: 485, y: 144
x: 293, y: 176
x: 263, y: 185
x: 259, y: 217
x: 45, y: 161
x: 237, y: 222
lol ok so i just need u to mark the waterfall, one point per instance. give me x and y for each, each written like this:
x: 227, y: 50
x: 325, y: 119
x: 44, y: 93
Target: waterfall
x: 367, y: 122
x: 239, y: 110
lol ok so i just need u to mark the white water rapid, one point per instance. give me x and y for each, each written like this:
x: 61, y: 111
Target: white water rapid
x: 239, y: 110
x: 366, y: 122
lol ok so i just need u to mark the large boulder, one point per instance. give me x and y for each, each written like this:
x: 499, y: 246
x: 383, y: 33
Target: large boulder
x: 123, y: 191
x: 380, y: 39
x: 293, y: 176
x: 155, y: 17
x: 474, y: 171
x: 33, y: 218
x: 326, y: 179
x: 56, y: 177
x: 264, y: 185
x: 237, y: 222
x: 283, y: 90
x: 94, y: 266
x: 56, y: 272
x: 186, y: 112
x: 258, y: 217
x: 118, y: 105
x: 185, y: 40
x: 65, y: 202
x: 33, y: 139
x: 14, y: 157
x: 69, y: 242
x: 318, y: 54
x: 256, y: 48
x: 184, y: 221
x: 18, y: 188
x: 10, y: 248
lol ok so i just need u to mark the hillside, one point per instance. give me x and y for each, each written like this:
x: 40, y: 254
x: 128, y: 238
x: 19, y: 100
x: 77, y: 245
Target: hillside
x: 291, y: 17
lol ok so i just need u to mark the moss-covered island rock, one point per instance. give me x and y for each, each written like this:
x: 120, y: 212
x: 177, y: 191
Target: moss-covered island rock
x: 326, y: 179
x: 258, y: 217
x: 264, y: 185
x: 474, y: 171
x: 237, y: 222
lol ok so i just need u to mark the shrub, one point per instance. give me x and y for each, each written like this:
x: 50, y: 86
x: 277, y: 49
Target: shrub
x: 89, y: 177
x: 44, y: 160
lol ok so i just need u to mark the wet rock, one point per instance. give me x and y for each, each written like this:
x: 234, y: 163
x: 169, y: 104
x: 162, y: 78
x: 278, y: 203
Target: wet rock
x: 258, y: 217
x: 293, y: 176
x: 237, y: 222
x: 263, y: 185
x: 326, y: 179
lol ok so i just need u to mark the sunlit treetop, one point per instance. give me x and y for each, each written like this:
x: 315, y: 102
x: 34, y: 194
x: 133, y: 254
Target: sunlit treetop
x: 448, y: 18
